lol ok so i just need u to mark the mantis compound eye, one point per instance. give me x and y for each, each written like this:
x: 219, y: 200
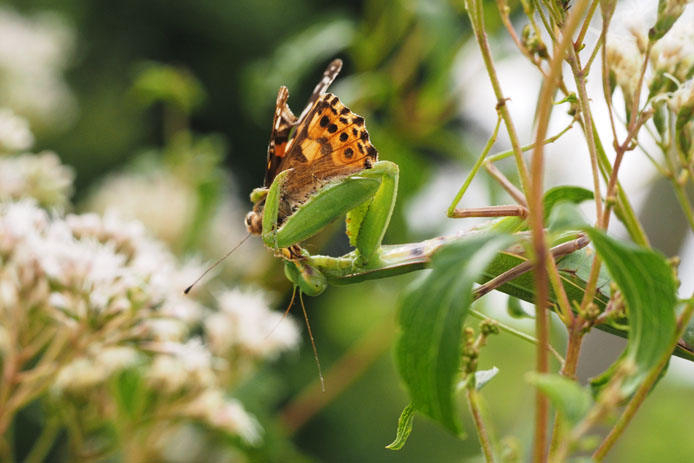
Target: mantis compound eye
x: 254, y: 223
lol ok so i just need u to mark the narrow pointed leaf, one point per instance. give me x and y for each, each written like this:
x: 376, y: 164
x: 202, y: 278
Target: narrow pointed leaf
x: 434, y: 308
x: 649, y: 290
x: 404, y: 428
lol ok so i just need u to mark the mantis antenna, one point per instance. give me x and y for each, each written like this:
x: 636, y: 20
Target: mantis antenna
x: 187, y: 290
x: 310, y: 335
x: 313, y: 344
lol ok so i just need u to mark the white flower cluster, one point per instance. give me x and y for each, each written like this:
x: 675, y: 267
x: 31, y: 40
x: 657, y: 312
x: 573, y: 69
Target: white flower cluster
x: 148, y: 197
x: 109, y: 299
x: 244, y: 323
x: 39, y: 176
x: 34, y: 53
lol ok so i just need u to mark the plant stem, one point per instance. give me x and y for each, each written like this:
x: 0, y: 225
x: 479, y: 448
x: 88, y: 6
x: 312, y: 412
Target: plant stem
x: 509, y: 153
x: 568, y: 369
x: 685, y: 204
x: 475, y: 168
x: 517, y: 333
x: 586, y: 22
x: 471, y: 395
x: 44, y: 442
x: 645, y: 387
x: 537, y: 223
x: 475, y: 11
x: 579, y: 78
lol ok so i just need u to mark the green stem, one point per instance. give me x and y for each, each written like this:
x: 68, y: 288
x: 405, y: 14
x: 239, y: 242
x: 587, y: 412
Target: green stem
x: 45, y: 441
x: 584, y: 101
x: 643, y: 390
x: 537, y: 223
x: 509, y: 153
x: 586, y: 22
x: 471, y: 395
x: 573, y: 350
x: 475, y: 11
x: 475, y: 168
x: 685, y: 204
x: 519, y: 334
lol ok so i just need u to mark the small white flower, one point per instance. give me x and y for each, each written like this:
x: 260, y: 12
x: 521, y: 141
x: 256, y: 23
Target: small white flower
x: 78, y: 375
x: 178, y: 365
x: 34, y: 53
x: 166, y: 329
x: 682, y: 97
x: 159, y: 199
x: 246, y: 322
x: 674, y: 53
x: 117, y: 358
x: 14, y: 132
x: 41, y: 177
x: 226, y: 414
x: 624, y: 60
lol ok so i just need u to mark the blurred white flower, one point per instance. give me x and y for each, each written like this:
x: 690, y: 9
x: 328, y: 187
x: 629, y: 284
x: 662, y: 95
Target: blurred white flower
x: 624, y: 60
x: 179, y: 366
x: 38, y: 176
x: 34, y: 53
x: 149, y: 263
x: 96, y: 268
x: 14, y: 132
x: 159, y: 199
x: 682, y: 97
x: 674, y: 53
x: 226, y: 414
x: 78, y: 375
x: 245, y: 322
x: 86, y: 372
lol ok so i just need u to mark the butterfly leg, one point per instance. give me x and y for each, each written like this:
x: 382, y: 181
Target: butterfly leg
x: 367, y: 224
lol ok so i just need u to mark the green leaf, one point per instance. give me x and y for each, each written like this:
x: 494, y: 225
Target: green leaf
x: 571, y: 399
x: 428, y: 348
x: 565, y: 216
x: 515, y: 309
x: 649, y: 290
x: 404, y: 428
x: 572, y: 194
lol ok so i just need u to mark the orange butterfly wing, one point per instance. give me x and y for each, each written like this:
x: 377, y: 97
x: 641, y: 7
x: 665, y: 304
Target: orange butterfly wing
x: 330, y: 143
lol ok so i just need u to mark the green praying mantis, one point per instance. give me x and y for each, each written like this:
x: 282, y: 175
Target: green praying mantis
x: 313, y: 180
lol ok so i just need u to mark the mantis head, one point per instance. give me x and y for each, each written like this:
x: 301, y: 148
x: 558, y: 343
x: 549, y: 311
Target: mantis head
x: 254, y: 219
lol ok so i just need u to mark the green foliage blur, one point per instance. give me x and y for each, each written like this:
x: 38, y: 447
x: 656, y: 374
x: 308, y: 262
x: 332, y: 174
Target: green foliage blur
x: 188, y: 88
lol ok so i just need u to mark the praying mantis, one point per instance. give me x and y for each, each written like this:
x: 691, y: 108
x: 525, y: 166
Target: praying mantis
x: 316, y: 174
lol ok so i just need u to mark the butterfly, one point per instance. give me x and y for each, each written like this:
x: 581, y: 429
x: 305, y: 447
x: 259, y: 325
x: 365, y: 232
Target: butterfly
x: 325, y: 143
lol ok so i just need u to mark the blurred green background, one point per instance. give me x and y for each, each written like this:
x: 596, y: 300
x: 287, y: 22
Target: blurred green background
x: 189, y: 87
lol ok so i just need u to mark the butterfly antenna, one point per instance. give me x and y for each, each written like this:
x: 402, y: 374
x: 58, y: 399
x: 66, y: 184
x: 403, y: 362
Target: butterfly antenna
x: 187, y: 290
x: 313, y: 344
x: 284, y: 315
